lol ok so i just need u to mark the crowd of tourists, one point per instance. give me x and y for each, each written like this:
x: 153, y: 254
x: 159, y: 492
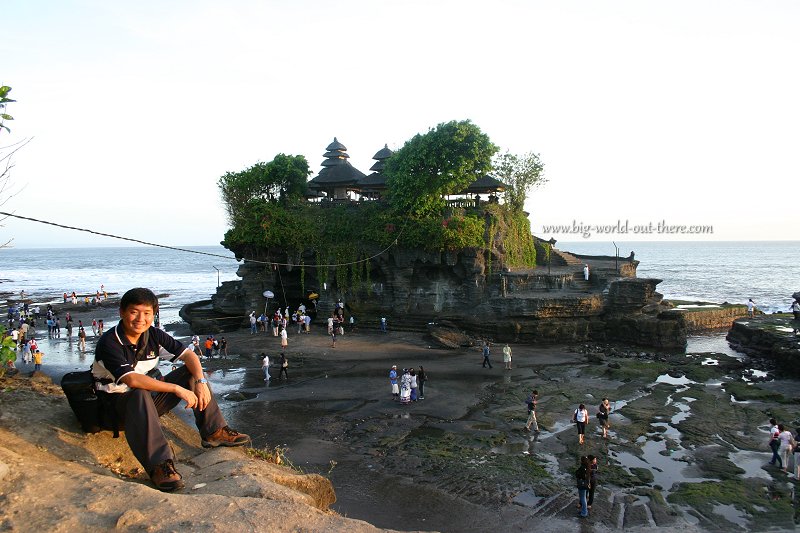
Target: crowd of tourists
x: 409, y: 385
x: 87, y: 300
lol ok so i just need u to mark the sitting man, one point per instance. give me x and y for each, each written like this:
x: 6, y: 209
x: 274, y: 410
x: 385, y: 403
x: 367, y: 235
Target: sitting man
x: 124, y: 356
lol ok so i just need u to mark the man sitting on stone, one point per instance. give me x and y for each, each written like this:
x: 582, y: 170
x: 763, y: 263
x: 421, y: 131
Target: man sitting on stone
x: 123, y: 357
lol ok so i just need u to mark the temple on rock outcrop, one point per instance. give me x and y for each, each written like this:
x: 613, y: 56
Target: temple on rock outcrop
x: 472, y: 264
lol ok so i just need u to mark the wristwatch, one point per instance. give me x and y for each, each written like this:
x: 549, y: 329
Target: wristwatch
x: 201, y: 380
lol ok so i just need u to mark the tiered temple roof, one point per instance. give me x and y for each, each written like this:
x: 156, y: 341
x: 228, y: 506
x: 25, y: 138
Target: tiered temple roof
x: 485, y: 185
x: 374, y: 184
x: 337, y: 176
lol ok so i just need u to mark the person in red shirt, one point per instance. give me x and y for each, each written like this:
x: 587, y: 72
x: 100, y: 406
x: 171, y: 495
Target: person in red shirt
x: 209, y: 346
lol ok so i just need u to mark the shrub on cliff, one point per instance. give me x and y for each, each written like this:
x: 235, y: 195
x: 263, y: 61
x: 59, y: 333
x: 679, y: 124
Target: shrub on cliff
x: 282, y: 180
x: 8, y: 351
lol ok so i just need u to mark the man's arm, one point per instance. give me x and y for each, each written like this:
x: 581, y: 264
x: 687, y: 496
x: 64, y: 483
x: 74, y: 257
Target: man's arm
x: 201, y: 390
x: 140, y: 381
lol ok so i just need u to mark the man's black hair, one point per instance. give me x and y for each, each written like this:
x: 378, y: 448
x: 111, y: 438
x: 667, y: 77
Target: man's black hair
x: 139, y: 296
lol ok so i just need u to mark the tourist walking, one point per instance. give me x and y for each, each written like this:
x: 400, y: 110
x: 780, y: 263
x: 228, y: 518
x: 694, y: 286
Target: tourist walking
x: 69, y: 326
x: 223, y: 347
x: 592, y: 480
x: 774, y: 443
x: 787, y: 445
x: 507, y: 356
x: 26, y: 353
x: 602, y: 416
x: 531, y: 401
x: 81, y: 339
x: 586, y: 272
x: 583, y: 481
x: 284, y: 339
x: 383, y: 324
x: 393, y: 382
x: 486, y: 360
x: 796, y: 450
x: 253, y: 323
x: 37, y: 360
x: 581, y: 418
x: 796, y: 312
x: 265, y: 366
x: 101, y: 327
x: 94, y: 327
x: 209, y: 345
x: 751, y: 307
x: 284, y: 367
x: 422, y: 377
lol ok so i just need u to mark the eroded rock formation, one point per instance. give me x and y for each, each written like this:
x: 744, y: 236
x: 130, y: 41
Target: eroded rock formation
x: 413, y: 288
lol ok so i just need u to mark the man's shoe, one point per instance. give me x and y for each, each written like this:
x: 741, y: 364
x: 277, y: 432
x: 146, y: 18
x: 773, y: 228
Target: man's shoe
x: 166, y: 478
x: 225, y: 437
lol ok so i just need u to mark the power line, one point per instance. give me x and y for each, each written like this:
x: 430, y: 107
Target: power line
x: 178, y: 249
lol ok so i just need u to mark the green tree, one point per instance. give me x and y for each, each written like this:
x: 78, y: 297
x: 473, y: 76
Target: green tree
x: 521, y: 173
x: 443, y: 161
x: 4, y: 100
x: 6, y: 153
x: 282, y: 180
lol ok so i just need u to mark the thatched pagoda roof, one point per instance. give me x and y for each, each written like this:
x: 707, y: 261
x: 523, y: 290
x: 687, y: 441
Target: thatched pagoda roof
x: 383, y: 153
x: 486, y: 184
x: 338, y: 174
x: 336, y: 146
x: 374, y: 181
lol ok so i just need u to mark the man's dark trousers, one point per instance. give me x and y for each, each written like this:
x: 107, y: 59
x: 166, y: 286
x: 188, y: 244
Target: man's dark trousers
x: 139, y: 410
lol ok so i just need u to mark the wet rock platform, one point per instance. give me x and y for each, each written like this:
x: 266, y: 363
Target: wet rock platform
x: 771, y: 337
x: 686, y: 449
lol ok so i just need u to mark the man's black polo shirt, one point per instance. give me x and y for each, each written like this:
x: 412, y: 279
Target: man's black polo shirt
x: 115, y: 356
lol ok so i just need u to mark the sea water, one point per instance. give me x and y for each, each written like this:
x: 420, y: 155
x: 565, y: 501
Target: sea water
x: 46, y: 273
x: 767, y: 271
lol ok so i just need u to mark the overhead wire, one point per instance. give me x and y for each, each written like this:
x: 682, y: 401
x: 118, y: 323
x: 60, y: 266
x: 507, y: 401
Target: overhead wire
x: 187, y: 250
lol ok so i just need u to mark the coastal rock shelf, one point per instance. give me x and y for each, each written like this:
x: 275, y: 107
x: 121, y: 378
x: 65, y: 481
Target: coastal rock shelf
x: 770, y: 337
x: 413, y: 288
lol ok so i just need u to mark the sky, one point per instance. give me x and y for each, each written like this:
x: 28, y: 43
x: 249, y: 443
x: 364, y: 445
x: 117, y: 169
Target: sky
x: 646, y: 114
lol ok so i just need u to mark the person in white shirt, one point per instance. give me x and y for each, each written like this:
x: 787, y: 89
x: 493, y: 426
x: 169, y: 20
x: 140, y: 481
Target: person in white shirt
x: 787, y: 445
x: 265, y: 366
x: 581, y: 419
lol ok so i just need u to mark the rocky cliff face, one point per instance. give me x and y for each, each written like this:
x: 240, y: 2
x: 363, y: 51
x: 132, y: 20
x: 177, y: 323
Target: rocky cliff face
x: 53, y: 477
x: 472, y: 288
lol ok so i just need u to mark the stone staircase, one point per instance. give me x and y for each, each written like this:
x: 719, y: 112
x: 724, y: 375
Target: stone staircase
x: 618, y: 511
x: 561, y: 258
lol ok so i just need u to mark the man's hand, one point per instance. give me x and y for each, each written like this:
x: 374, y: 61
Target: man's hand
x: 188, y: 396
x: 203, y: 394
